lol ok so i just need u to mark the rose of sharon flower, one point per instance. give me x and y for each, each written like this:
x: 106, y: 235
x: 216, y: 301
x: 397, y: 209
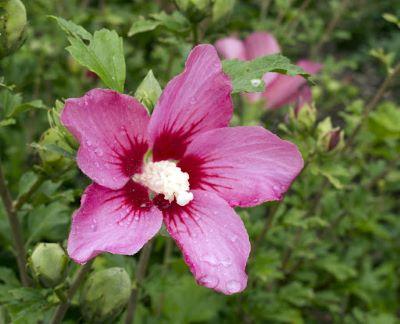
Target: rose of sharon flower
x: 200, y: 169
x: 280, y: 89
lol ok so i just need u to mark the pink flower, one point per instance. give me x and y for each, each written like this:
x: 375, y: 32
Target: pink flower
x: 200, y: 169
x: 280, y: 89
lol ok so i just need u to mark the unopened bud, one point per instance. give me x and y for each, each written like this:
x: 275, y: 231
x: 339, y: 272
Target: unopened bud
x: 334, y: 138
x: 12, y: 26
x: 194, y: 10
x: 222, y: 9
x: 48, y: 263
x: 329, y: 138
x: 104, y: 294
x: 51, y: 148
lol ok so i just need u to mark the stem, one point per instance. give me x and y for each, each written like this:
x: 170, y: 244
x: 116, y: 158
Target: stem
x: 264, y: 9
x: 16, y: 231
x: 167, y: 256
x: 195, y: 34
x: 63, y: 307
x: 140, y: 275
x: 293, y: 24
x: 25, y: 197
x: 330, y: 28
x: 373, y: 103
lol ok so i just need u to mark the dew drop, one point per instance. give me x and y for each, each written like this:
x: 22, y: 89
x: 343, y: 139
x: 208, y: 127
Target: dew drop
x: 210, y: 259
x: 99, y: 151
x: 255, y: 82
x: 234, y: 238
x: 233, y: 286
x: 208, y: 281
x: 227, y: 262
x: 88, y: 143
x: 93, y: 227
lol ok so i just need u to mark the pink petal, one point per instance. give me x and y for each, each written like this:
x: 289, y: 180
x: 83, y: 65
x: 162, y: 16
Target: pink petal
x: 213, y: 240
x: 116, y: 221
x: 304, y: 98
x: 260, y: 44
x: 195, y: 101
x: 244, y: 165
x: 231, y: 48
x: 285, y: 88
x: 111, y: 129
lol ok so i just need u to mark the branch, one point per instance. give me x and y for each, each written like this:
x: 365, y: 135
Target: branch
x: 140, y: 275
x: 16, y: 231
x: 63, y: 307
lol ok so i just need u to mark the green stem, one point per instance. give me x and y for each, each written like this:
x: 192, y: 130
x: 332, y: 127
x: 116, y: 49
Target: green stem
x: 372, y: 104
x: 195, y: 34
x: 63, y: 307
x: 26, y: 196
x: 330, y: 28
x: 16, y: 231
x: 140, y: 275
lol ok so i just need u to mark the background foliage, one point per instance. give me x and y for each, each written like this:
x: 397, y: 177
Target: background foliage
x: 328, y: 253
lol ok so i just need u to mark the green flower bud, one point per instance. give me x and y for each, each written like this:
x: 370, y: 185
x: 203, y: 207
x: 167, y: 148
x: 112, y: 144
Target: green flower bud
x: 12, y: 26
x: 52, y: 144
x: 104, y: 294
x: 48, y: 263
x: 194, y: 10
x: 148, y: 91
x: 305, y: 116
x: 222, y: 8
x: 329, y: 139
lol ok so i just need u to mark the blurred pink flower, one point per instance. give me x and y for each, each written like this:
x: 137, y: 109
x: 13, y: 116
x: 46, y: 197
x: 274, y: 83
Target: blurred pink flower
x: 200, y: 169
x: 280, y: 90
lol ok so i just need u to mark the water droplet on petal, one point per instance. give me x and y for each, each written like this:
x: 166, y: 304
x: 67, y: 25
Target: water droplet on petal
x: 210, y: 259
x: 93, y: 227
x: 88, y: 143
x: 99, y: 151
x: 226, y: 262
x: 255, y: 82
x: 234, y: 238
x: 208, y: 281
x: 233, y: 286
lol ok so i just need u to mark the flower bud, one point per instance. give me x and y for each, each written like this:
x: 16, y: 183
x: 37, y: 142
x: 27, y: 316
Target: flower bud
x: 12, y: 26
x: 104, y: 294
x: 52, y: 144
x: 334, y: 138
x: 222, y: 9
x: 48, y: 263
x: 148, y: 91
x: 194, y: 10
x: 329, y: 138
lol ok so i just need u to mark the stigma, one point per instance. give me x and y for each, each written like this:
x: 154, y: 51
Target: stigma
x: 164, y: 177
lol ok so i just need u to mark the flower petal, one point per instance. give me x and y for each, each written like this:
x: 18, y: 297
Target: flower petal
x: 213, y: 240
x: 244, y: 165
x: 285, y: 89
x: 304, y: 98
x: 111, y: 129
x: 195, y: 101
x: 116, y: 221
x: 231, y: 48
x: 260, y: 44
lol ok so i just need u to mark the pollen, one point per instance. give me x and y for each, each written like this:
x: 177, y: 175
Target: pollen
x: 164, y: 177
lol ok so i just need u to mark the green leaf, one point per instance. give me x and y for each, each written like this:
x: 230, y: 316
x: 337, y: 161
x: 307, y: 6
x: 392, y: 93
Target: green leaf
x: 247, y: 76
x: 222, y: 8
x: 148, y: 91
x: 175, y: 22
x: 141, y: 25
x: 73, y: 29
x: 385, y: 121
x: 104, y: 55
